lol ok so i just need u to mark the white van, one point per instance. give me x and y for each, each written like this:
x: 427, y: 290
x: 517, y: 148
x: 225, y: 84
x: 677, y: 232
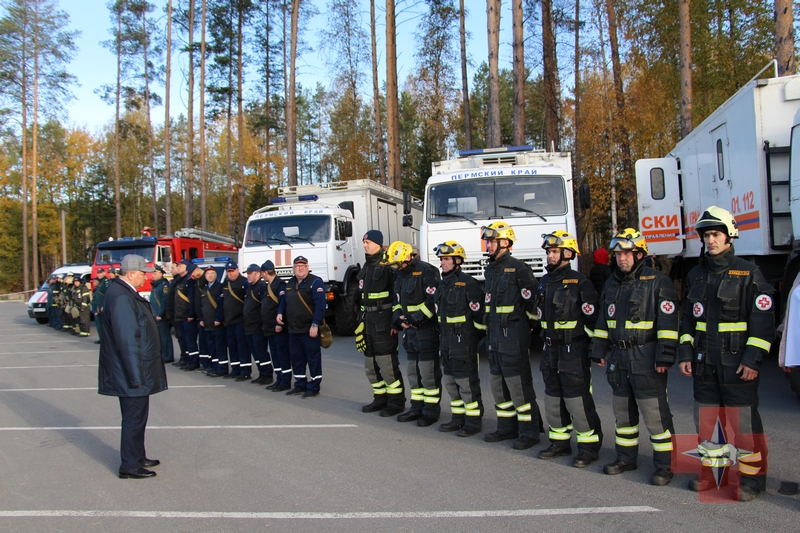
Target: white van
x: 37, y: 305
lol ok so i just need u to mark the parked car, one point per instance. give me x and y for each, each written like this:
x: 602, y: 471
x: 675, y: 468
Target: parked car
x: 37, y: 305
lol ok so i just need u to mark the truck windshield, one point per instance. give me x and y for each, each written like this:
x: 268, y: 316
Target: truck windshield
x: 285, y: 229
x: 114, y: 255
x: 482, y: 198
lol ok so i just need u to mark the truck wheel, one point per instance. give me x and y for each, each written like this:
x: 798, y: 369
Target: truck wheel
x: 42, y: 320
x: 794, y: 380
x: 345, y: 312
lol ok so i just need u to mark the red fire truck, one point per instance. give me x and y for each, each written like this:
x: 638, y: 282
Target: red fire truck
x: 186, y: 243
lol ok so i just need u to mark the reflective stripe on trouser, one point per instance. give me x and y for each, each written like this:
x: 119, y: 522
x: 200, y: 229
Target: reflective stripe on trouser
x: 569, y: 405
x: 512, y: 386
x: 202, y: 343
x: 281, y: 360
x: 237, y: 345
x: 260, y: 350
x: 306, y: 354
x: 716, y: 385
x: 218, y: 349
x: 189, y: 334
x: 657, y: 418
x: 462, y: 381
x: 383, y: 373
x: 424, y: 382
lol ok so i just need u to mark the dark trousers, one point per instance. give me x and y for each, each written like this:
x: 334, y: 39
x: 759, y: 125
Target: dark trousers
x: 189, y: 331
x: 54, y: 313
x: 281, y: 359
x: 259, y: 348
x: 202, y: 345
x: 237, y: 345
x: 514, y: 397
x: 306, y: 352
x: 134, y: 419
x: 724, y: 394
x: 167, y: 350
x: 568, y: 400
x: 424, y: 370
x: 178, y: 326
x: 645, y: 392
x: 218, y: 350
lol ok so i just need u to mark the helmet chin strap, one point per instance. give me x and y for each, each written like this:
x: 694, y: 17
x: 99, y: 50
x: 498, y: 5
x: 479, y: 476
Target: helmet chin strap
x: 499, y: 247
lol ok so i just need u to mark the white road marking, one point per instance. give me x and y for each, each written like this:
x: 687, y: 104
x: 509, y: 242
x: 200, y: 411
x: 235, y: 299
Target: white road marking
x: 102, y: 428
x: 44, y: 366
x: 54, y: 351
x: 71, y: 341
x: 328, y: 516
x: 95, y: 388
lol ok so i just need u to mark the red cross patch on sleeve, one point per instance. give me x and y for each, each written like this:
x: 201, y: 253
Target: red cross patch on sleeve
x: 475, y: 306
x: 430, y: 290
x: 667, y: 307
x: 764, y: 302
x: 526, y: 294
x: 588, y: 309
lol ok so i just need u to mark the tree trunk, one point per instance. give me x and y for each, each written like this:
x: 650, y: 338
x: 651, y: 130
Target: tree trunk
x: 167, y: 138
x: 291, y: 107
x: 552, y: 106
x: 117, y: 202
x: 229, y: 142
x: 150, y: 155
x: 267, y: 106
x: 464, y: 80
x: 685, y: 66
x: 784, y: 37
x: 519, y: 73
x: 203, y: 185
x: 620, y: 129
x: 26, y: 272
x: 188, y: 218
x: 392, y: 104
x: 376, y: 98
x: 240, y: 112
x: 493, y: 111
x: 577, y: 91
x: 35, y: 153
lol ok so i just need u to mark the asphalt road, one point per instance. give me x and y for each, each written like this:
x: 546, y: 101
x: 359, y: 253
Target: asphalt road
x: 236, y: 457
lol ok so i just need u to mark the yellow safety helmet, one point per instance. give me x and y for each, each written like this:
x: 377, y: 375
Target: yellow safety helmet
x: 629, y: 240
x: 398, y: 251
x: 450, y: 249
x: 717, y: 217
x: 560, y: 239
x: 498, y: 230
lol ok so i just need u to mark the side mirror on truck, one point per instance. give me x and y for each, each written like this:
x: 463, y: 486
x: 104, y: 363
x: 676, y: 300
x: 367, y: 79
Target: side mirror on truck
x: 350, y: 206
x: 408, y: 220
x: 406, y: 206
x: 348, y: 228
x: 584, y: 196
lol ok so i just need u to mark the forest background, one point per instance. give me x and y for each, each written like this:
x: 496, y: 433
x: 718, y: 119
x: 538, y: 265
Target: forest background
x: 611, y: 81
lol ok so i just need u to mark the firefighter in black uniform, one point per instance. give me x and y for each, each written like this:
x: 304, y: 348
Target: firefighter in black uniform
x: 54, y: 311
x: 414, y: 315
x: 727, y: 328
x: 509, y: 308
x: 253, y: 329
x: 277, y: 337
x: 567, y: 307
x: 81, y: 306
x: 178, y: 273
x: 373, y: 333
x: 636, y: 339
x: 185, y: 316
x: 66, y: 304
x: 231, y: 313
x: 459, y: 306
x: 302, y: 310
x: 210, y: 299
x: 158, y: 302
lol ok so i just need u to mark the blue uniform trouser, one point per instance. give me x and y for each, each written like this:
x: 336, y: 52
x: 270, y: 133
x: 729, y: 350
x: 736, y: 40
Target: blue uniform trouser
x: 202, y: 344
x: 135, y: 412
x: 55, y: 319
x: 258, y: 346
x: 218, y: 350
x: 281, y: 360
x: 189, y: 334
x: 167, y: 351
x: 178, y: 327
x: 237, y: 345
x: 306, y: 352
